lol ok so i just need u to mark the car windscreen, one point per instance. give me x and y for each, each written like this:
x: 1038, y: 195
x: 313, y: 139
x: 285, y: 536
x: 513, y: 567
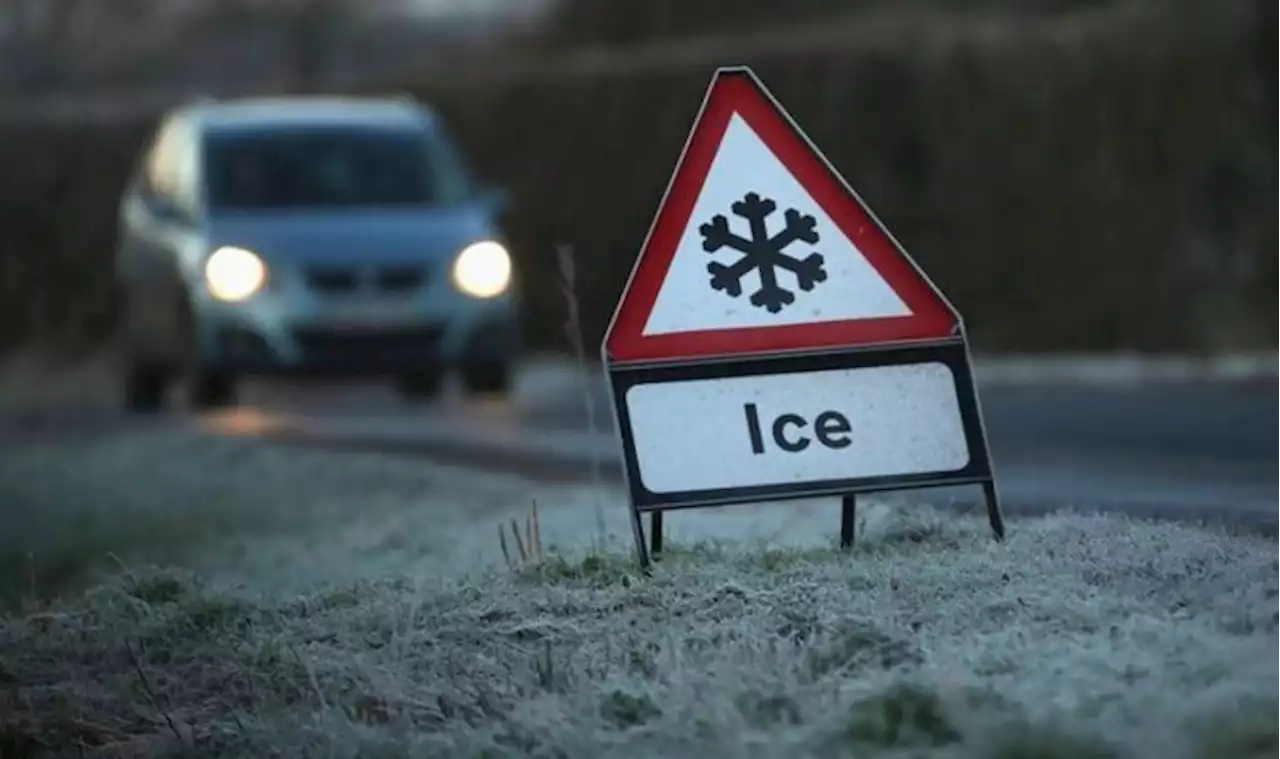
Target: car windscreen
x: 331, y: 168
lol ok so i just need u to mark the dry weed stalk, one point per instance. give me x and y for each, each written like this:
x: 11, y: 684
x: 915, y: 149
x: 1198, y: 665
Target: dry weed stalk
x: 529, y: 546
x: 150, y: 693
x: 574, y: 332
x: 311, y: 678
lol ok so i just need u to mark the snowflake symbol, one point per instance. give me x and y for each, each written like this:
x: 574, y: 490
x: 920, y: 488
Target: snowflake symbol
x: 763, y: 253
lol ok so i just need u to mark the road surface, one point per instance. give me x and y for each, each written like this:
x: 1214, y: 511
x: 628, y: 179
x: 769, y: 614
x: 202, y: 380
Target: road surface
x: 1174, y: 447
x: 1199, y: 449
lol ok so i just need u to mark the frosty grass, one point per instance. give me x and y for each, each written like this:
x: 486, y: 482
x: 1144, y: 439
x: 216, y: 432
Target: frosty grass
x: 324, y: 605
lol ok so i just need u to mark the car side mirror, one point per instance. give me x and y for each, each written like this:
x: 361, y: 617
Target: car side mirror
x: 164, y: 209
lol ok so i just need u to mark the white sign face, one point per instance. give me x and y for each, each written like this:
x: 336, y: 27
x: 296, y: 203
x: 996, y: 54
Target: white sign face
x: 842, y: 283
x: 796, y: 428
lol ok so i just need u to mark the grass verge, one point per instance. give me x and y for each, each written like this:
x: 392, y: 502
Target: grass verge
x: 1078, y: 637
x: 171, y: 496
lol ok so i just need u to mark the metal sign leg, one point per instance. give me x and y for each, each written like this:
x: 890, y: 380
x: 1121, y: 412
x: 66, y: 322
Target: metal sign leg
x: 993, y: 508
x: 642, y: 548
x: 655, y: 533
x: 848, y: 517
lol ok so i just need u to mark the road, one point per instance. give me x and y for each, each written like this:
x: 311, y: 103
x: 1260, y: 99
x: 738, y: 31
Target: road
x: 1173, y: 447
x: 1193, y: 449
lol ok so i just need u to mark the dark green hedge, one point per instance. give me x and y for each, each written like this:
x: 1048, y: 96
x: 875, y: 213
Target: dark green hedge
x: 1068, y: 192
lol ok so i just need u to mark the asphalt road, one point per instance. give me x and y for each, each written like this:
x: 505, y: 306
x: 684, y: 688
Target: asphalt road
x: 1171, y: 448
x: 1229, y: 420
x: 1198, y: 449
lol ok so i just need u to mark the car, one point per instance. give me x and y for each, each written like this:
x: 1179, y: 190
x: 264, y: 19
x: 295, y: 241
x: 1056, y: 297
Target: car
x: 310, y: 235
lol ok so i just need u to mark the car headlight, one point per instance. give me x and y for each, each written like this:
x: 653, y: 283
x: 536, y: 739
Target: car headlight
x: 234, y: 274
x: 483, y: 269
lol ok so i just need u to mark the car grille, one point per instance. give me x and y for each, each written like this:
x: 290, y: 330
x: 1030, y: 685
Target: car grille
x: 397, y: 345
x: 331, y: 281
x: 387, y: 279
x: 400, y: 278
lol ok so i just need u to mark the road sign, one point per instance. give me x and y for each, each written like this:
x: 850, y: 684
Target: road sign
x: 760, y: 246
x: 774, y: 341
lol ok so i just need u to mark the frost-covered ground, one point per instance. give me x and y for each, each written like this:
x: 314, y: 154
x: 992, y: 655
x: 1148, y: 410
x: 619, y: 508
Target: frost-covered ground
x: 229, y: 505
x: 317, y: 604
x: 280, y: 514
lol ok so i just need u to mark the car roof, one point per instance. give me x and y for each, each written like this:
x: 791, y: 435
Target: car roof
x: 265, y: 113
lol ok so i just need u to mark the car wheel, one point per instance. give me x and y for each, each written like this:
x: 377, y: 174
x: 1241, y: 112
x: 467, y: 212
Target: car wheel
x: 144, y: 387
x: 486, y: 379
x: 421, y: 385
x: 211, y: 390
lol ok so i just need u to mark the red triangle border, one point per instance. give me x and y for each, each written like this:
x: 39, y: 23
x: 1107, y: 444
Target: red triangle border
x: 737, y: 91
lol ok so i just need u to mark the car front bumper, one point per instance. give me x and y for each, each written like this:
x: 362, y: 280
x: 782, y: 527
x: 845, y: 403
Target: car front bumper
x: 290, y: 335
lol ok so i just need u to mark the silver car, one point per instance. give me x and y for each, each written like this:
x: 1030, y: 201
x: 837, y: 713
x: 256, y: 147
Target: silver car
x: 310, y: 235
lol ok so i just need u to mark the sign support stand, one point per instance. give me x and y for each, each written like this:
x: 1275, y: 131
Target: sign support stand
x: 848, y: 515
x: 993, y: 508
x: 848, y: 524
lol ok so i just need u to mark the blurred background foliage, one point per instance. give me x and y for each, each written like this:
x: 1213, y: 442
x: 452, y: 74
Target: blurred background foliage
x: 1075, y: 174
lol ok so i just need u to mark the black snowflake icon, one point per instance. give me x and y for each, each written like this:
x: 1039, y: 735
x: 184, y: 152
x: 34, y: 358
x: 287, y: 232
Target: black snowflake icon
x: 763, y: 253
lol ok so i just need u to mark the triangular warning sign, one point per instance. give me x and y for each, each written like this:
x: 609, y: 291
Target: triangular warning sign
x: 760, y: 247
